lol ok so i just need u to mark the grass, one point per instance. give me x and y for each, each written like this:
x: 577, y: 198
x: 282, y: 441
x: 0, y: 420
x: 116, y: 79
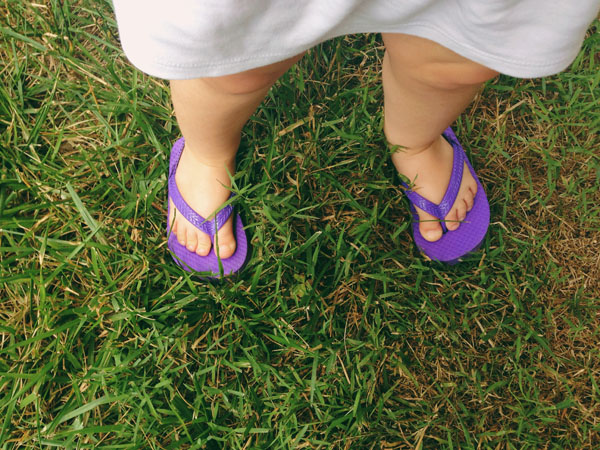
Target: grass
x: 337, y: 334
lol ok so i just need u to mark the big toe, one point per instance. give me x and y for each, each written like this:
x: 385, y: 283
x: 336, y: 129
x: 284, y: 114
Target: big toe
x: 225, y: 240
x: 429, y: 226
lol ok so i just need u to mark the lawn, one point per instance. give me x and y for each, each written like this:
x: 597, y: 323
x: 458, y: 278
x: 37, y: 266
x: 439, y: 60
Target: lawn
x: 338, y: 334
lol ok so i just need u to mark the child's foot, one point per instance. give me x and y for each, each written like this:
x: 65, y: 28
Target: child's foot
x: 429, y: 171
x: 204, y: 188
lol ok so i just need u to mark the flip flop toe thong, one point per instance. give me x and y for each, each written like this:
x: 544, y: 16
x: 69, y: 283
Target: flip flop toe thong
x: 453, y: 245
x: 210, y: 264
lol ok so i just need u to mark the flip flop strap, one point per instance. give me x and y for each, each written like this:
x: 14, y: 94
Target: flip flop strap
x: 442, y: 209
x: 210, y: 227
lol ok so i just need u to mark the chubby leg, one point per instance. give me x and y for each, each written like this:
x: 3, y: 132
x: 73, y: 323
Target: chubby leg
x: 211, y: 113
x: 426, y: 86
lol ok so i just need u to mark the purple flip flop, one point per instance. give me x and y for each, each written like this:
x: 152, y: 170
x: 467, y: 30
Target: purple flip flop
x: 470, y: 234
x: 188, y: 260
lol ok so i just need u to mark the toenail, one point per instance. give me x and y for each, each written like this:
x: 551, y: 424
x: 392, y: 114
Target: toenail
x: 431, y: 234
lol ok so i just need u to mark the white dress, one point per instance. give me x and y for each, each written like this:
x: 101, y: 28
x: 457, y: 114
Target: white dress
x: 181, y: 39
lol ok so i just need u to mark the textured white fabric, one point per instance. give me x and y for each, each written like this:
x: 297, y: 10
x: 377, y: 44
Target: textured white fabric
x: 181, y: 39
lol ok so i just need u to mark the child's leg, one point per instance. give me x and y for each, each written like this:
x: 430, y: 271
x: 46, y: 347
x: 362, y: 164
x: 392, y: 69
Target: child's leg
x: 426, y: 86
x: 211, y: 113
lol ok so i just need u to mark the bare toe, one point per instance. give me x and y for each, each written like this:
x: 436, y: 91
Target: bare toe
x: 452, y: 220
x: 469, y: 198
x: 226, y: 241
x: 429, y: 226
x: 204, y: 244
x: 191, y: 237
x: 471, y: 186
x: 181, y: 235
x: 461, y: 210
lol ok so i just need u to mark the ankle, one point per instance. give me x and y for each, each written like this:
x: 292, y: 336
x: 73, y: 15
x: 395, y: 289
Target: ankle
x: 416, y: 152
x: 196, y: 157
x: 410, y: 146
x: 421, y: 165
